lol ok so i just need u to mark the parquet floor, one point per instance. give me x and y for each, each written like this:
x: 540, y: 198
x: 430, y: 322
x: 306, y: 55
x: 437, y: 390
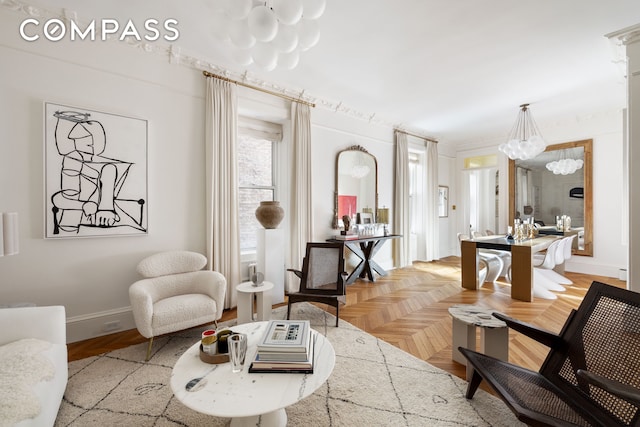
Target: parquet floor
x: 408, y: 308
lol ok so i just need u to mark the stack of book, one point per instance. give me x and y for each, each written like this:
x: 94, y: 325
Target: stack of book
x: 286, y: 346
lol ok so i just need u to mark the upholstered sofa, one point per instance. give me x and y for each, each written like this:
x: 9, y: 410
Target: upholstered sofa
x: 33, y: 365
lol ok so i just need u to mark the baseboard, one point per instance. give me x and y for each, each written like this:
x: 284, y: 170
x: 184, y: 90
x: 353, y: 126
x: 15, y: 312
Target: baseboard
x: 592, y: 269
x: 80, y: 328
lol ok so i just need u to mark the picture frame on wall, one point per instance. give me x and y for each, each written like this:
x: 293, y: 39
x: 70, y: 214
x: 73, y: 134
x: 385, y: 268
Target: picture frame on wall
x: 443, y: 201
x: 95, y: 173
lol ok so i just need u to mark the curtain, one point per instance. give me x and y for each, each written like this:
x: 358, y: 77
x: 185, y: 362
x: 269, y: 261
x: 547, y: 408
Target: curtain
x: 432, y: 225
x: 301, y: 222
x: 223, y: 236
x: 401, y: 223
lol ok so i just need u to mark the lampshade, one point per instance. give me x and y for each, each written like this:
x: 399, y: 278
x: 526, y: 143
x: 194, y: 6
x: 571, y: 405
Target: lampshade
x: 383, y: 215
x: 524, y: 141
x: 9, y: 233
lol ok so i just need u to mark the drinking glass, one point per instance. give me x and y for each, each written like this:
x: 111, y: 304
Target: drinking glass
x: 237, y: 351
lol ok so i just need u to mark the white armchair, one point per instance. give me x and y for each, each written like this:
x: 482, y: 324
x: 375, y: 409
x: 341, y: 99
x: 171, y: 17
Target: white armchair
x: 176, y: 294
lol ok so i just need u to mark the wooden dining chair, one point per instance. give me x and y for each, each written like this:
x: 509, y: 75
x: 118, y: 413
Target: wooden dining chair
x: 322, y: 278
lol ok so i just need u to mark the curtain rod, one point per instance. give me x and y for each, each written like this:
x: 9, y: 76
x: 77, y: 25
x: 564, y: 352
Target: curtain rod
x: 281, y: 95
x: 416, y: 135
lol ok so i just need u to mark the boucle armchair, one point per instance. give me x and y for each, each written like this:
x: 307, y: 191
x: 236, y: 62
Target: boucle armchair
x: 176, y: 294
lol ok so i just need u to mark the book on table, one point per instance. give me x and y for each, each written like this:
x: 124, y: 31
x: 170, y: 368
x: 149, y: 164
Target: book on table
x: 346, y: 237
x: 285, y: 336
x: 286, y: 346
x: 264, y: 363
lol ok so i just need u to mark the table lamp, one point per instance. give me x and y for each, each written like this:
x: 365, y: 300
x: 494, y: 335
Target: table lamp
x: 383, y: 218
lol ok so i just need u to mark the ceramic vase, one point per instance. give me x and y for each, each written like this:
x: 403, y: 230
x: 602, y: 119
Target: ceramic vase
x: 269, y: 214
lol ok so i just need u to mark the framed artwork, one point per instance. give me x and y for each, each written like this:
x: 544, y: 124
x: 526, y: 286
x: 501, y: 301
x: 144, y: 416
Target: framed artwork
x: 347, y: 205
x: 443, y: 201
x: 95, y: 173
x: 366, y: 217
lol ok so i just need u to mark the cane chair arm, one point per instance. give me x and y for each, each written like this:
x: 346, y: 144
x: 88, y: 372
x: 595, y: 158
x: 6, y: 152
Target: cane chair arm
x: 298, y: 273
x: 623, y: 391
x: 543, y: 336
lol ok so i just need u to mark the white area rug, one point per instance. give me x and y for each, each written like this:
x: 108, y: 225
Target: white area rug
x: 372, y: 384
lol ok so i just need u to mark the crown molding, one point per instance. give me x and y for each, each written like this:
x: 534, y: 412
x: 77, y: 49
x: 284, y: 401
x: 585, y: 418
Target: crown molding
x: 176, y: 56
x: 626, y: 35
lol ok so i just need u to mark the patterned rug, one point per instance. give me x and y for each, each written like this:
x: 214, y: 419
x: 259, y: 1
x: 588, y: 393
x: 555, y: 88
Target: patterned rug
x: 373, y: 384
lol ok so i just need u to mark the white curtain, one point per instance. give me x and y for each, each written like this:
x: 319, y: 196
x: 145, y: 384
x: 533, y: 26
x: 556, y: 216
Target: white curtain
x: 223, y: 236
x: 401, y: 214
x: 432, y: 226
x: 301, y: 208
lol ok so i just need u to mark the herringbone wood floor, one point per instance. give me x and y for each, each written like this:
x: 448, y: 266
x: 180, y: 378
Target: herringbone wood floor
x: 408, y: 308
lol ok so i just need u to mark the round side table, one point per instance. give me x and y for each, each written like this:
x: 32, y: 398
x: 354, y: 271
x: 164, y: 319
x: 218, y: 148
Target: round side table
x: 494, y: 334
x: 246, y: 291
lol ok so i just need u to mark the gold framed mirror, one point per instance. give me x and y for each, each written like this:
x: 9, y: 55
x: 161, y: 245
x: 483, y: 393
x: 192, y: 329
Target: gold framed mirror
x: 356, y: 190
x: 535, y: 191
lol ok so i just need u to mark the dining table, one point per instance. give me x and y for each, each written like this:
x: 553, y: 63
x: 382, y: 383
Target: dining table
x: 522, y: 252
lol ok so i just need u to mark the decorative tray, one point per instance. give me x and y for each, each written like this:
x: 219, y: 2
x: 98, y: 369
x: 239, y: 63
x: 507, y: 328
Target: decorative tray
x: 213, y: 358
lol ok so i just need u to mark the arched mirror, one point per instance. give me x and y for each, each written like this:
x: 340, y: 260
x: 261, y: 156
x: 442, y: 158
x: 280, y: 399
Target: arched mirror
x: 356, y: 186
x: 538, y: 192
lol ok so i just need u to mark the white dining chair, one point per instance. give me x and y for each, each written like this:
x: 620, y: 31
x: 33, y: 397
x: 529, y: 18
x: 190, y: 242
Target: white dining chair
x: 483, y: 265
x: 561, y: 257
x: 505, y: 256
x: 542, y: 284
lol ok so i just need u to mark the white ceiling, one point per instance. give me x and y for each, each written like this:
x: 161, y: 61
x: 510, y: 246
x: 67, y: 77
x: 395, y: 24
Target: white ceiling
x: 456, y: 70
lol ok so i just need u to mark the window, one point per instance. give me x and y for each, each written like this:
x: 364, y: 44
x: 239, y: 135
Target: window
x: 415, y: 191
x: 257, y: 145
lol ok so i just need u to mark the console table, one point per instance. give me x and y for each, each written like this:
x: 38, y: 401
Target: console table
x: 365, y: 247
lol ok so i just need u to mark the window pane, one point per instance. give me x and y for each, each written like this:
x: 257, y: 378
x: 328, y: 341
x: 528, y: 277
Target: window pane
x: 250, y: 199
x: 254, y: 162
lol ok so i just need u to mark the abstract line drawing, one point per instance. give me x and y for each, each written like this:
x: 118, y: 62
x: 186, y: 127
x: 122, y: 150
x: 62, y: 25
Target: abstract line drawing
x: 96, y: 173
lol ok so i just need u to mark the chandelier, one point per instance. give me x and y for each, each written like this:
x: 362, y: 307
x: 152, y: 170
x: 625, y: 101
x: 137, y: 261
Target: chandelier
x: 524, y: 141
x: 269, y: 33
x: 565, y: 165
x: 359, y: 170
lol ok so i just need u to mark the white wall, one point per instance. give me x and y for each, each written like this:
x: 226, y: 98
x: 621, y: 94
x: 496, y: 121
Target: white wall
x: 447, y: 171
x: 91, y: 276
x: 633, y: 53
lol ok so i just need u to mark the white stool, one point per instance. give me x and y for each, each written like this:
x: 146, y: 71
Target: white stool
x: 246, y: 291
x: 494, y: 334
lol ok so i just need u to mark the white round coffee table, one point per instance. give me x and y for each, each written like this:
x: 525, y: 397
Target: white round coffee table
x: 242, y: 396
